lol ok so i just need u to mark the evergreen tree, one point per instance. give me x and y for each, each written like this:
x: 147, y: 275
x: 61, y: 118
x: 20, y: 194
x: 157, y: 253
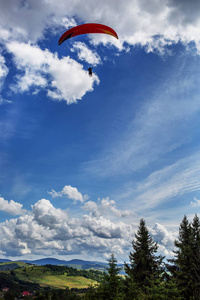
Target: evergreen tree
x: 186, y: 264
x: 111, y: 287
x: 181, y: 268
x: 196, y: 256
x: 195, y: 265
x: 144, y: 264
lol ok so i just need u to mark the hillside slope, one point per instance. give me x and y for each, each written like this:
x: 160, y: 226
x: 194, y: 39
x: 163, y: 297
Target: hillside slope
x: 53, y: 276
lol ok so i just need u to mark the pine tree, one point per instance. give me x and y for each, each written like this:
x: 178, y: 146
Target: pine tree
x: 110, y: 287
x: 196, y: 257
x: 186, y: 264
x: 144, y: 264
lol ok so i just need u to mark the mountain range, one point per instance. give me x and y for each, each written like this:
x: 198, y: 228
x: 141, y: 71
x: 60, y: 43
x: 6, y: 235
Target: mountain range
x: 76, y: 263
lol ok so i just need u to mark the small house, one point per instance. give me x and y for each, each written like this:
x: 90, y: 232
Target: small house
x: 26, y: 293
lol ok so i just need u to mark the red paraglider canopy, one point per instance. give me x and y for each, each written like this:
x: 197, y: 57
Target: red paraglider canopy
x: 87, y: 28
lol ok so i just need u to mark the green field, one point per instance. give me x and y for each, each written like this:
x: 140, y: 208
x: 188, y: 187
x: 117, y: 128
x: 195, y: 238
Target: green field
x: 45, y: 277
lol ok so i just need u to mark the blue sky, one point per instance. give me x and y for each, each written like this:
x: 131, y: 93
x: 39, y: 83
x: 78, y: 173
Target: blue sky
x: 82, y: 158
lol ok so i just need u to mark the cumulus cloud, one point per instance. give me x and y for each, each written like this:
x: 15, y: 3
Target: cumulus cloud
x: 47, y: 215
x: 139, y: 21
x: 50, y: 230
x: 153, y: 24
x: 11, y: 207
x: 70, y: 192
x: 47, y: 230
x: 164, y: 238
x: 105, y: 206
x: 103, y: 228
x: 64, y: 79
x: 162, y: 235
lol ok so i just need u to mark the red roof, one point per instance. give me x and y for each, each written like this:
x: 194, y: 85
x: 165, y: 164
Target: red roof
x: 26, y: 293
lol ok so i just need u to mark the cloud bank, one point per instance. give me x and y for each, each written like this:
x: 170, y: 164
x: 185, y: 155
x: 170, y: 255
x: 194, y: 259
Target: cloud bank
x: 47, y: 230
x: 137, y: 21
x: 154, y: 24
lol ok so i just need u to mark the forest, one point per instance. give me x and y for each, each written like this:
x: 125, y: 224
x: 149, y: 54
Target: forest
x: 148, y: 275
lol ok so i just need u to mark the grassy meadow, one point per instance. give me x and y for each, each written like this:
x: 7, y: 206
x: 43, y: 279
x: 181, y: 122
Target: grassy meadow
x: 45, y: 277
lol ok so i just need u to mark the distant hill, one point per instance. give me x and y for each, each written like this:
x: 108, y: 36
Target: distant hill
x: 4, y: 260
x: 46, y: 261
x: 76, y: 263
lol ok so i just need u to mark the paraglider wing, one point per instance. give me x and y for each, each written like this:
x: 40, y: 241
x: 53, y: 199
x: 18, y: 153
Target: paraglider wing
x: 87, y: 28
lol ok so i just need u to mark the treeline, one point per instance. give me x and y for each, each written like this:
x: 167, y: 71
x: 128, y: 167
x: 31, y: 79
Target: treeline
x: 69, y: 271
x: 56, y: 294
x: 8, y: 267
x: 148, y: 276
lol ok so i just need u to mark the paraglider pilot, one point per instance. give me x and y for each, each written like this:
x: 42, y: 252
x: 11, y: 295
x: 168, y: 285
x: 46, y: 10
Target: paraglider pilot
x: 90, y: 71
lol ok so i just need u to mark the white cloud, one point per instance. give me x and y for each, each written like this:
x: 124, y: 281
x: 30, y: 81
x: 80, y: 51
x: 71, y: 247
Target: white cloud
x: 25, y: 249
x: 3, y: 69
x: 177, y: 179
x: 156, y: 128
x: 162, y: 235
x: 106, y: 207
x: 86, y: 54
x: 67, y: 23
x: 47, y: 215
x: 139, y: 21
x: 47, y: 231
x: 3, y: 73
x: 195, y: 203
x: 70, y: 192
x: 11, y: 207
x: 104, y: 228
x: 149, y: 23
x: 164, y: 238
x: 64, y: 79
x: 25, y: 20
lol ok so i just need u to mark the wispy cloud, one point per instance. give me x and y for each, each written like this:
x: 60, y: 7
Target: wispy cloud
x: 195, y: 203
x: 86, y: 54
x: 175, y: 180
x: 158, y: 127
